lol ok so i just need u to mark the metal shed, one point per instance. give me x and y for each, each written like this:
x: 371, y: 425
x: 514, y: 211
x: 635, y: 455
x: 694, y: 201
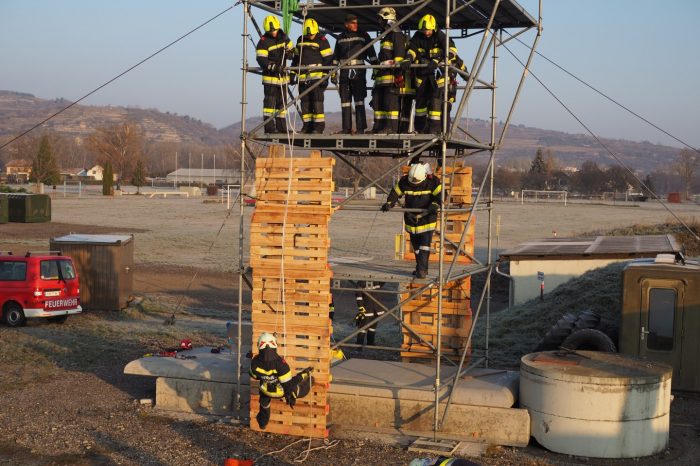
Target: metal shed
x: 28, y: 208
x: 105, y: 265
x: 554, y: 261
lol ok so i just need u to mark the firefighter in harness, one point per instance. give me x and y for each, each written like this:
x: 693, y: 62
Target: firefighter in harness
x: 427, y: 47
x: 275, y: 376
x: 352, y: 84
x: 422, y: 191
x: 367, y: 310
x: 272, y: 52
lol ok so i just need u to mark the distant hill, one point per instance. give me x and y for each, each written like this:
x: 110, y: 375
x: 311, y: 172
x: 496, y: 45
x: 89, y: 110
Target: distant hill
x: 19, y: 111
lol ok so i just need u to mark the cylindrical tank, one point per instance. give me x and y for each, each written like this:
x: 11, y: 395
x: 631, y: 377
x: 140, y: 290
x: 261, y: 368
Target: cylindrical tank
x: 594, y: 404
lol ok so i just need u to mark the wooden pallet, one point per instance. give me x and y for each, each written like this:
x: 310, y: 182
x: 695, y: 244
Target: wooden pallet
x: 289, y: 245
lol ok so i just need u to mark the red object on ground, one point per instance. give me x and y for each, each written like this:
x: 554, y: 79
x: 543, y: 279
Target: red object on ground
x: 674, y: 198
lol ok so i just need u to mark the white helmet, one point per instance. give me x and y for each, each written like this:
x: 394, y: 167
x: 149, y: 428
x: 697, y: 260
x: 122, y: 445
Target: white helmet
x: 387, y: 13
x: 416, y: 173
x: 267, y: 340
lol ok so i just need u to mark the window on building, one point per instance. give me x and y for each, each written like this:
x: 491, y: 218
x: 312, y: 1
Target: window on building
x: 662, y: 310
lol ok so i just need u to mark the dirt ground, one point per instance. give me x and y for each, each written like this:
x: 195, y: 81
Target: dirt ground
x: 65, y: 399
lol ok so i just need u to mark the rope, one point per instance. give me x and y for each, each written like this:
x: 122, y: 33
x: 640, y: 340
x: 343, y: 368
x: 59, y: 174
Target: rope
x: 113, y: 79
x: 301, y: 457
x: 607, y: 149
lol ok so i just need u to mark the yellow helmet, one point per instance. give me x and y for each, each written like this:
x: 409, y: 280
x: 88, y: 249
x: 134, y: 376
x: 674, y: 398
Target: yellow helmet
x: 271, y: 23
x: 310, y: 27
x: 387, y: 13
x: 427, y: 22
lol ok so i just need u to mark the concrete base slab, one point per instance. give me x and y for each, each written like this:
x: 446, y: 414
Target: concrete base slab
x: 364, y: 395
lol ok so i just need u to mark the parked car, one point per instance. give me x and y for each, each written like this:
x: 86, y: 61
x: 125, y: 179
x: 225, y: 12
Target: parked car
x: 38, y: 285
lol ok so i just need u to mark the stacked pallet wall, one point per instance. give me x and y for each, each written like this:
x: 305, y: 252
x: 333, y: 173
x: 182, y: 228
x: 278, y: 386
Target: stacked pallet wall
x: 421, y: 313
x: 289, y: 245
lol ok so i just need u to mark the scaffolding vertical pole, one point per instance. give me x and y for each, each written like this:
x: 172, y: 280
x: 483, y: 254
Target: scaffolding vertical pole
x: 489, y: 245
x: 241, y: 271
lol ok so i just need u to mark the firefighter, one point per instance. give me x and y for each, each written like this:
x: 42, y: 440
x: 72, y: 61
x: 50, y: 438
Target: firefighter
x: 367, y: 310
x: 352, y: 84
x: 386, y: 97
x: 422, y: 191
x: 275, y: 376
x: 272, y: 52
x: 427, y: 47
x: 312, y: 50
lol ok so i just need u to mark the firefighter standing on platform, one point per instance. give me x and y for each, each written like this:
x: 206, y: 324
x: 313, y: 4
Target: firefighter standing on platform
x: 275, y: 376
x: 312, y: 50
x: 272, y: 52
x: 422, y: 191
x: 427, y: 47
x: 352, y: 84
x: 367, y: 310
x: 388, y: 81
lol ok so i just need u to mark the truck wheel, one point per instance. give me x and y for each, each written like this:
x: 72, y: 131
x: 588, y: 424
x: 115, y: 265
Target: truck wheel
x: 13, y: 315
x: 589, y: 339
x: 558, y: 333
x: 587, y: 319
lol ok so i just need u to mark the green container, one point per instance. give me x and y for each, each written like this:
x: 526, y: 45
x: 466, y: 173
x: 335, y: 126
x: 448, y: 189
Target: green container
x: 29, y: 208
x: 4, y: 216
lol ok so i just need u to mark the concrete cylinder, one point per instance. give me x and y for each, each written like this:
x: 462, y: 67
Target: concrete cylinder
x: 600, y: 405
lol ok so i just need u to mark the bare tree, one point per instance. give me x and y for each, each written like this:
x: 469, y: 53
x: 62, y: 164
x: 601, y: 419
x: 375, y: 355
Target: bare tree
x: 120, y: 144
x: 686, y: 164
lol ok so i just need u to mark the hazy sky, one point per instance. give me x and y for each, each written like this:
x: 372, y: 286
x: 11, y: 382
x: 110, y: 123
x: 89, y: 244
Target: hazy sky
x: 643, y: 53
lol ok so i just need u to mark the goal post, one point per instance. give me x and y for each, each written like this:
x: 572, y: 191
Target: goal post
x: 542, y: 195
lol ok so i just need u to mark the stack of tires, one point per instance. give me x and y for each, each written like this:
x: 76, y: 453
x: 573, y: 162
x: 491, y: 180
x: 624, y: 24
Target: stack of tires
x: 587, y: 331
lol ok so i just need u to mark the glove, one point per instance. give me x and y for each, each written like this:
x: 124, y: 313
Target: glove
x: 334, y: 78
x: 273, y: 68
x: 399, y: 81
x: 405, y: 65
x: 411, y: 217
x: 432, y: 65
x: 290, y: 398
x: 433, y: 208
x: 375, y: 71
x: 385, y: 207
x: 324, y: 84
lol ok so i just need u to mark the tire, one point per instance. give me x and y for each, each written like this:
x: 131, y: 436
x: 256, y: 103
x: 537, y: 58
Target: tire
x: 589, y: 339
x: 58, y: 319
x: 558, y: 333
x: 13, y: 315
x: 587, y: 319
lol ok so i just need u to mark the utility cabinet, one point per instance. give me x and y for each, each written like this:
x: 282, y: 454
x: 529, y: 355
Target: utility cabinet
x: 105, y: 265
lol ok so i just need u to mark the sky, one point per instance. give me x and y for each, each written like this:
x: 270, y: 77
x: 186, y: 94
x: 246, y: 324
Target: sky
x: 643, y: 53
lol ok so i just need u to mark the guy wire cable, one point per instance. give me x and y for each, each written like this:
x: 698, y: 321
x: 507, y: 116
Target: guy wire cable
x: 602, y: 144
x: 627, y: 109
x: 113, y: 79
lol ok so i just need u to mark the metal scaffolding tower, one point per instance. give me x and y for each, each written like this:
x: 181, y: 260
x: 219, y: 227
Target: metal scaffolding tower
x: 493, y: 23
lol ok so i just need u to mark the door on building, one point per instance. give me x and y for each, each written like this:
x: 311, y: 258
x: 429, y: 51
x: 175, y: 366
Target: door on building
x: 661, y: 321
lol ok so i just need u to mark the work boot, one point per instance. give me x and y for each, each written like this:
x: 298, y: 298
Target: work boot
x: 307, y: 127
x: 360, y: 119
x: 281, y: 125
x: 347, y: 117
x: 270, y: 127
x: 318, y: 127
x: 263, y: 418
x: 419, y: 124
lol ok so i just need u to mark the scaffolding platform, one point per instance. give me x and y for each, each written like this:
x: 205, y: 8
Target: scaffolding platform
x: 394, y: 271
x: 368, y: 144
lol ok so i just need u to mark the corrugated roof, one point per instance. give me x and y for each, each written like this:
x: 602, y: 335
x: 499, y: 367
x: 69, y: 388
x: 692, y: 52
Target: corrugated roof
x: 330, y: 14
x: 599, y: 246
